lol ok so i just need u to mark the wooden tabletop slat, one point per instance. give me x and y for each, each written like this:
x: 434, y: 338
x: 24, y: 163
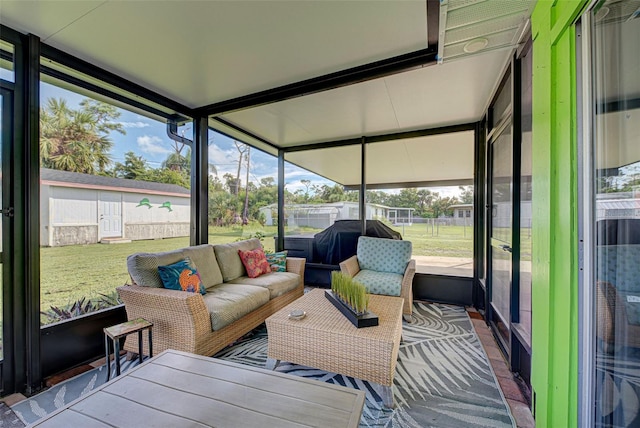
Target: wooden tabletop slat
x: 123, y: 412
x: 187, y: 405
x: 69, y: 418
x: 304, y: 409
x: 326, y: 394
x: 178, y: 389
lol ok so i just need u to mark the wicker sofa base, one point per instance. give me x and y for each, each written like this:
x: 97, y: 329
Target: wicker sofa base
x: 188, y: 326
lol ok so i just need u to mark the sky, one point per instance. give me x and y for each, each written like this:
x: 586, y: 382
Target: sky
x: 148, y: 138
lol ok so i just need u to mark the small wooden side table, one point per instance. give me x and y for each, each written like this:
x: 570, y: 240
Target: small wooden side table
x: 116, y: 332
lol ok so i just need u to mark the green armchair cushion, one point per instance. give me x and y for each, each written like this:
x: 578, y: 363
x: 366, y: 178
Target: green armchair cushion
x: 385, y: 283
x: 383, y: 255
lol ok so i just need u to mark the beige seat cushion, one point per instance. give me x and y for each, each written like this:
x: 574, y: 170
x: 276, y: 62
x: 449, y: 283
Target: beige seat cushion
x: 227, y: 255
x: 227, y: 303
x: 204, y: 258
x: 277, y: 283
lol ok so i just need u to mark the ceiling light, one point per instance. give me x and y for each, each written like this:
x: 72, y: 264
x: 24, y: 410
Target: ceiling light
x: 476, y: 45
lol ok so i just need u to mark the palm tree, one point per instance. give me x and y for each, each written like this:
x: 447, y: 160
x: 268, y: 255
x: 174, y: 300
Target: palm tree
x: 77, y: 140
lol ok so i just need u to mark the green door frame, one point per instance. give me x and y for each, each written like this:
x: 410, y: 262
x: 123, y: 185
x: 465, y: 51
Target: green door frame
x: 554, y: 372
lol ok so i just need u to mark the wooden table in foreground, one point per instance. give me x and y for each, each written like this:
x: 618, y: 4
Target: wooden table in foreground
x: 325, y: 339
x: 178, y: 389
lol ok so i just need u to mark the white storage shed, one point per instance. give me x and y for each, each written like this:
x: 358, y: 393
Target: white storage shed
x: 86, y: 209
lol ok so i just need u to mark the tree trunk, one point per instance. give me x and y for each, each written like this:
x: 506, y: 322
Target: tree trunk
x: 245, y: 214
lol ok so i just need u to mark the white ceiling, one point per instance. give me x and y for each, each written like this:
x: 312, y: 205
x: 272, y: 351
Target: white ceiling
x: 398, y: 161
x: 445, y: 94
x: 203, y: 52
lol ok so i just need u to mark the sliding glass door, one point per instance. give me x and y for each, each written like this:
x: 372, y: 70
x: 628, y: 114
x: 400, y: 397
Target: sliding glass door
x: 612, y: 212
x: 501, y: 231
x: 508, y: 217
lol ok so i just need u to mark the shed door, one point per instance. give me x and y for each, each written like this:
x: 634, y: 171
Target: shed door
x: 110, y: 214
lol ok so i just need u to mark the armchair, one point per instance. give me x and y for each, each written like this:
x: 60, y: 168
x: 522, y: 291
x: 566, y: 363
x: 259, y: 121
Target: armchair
x: 384, y: 266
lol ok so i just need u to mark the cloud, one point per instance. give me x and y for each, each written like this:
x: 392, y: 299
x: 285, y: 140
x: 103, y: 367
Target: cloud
x: 220, y: 156
x: 225, y: 161
x: 152, y: 144
x: 138, y: 124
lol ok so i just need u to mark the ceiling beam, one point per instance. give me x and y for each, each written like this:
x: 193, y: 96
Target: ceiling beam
x: 384, y: 137
x: 413, y: 184
x: 243, y: 131
x: 350, y: 76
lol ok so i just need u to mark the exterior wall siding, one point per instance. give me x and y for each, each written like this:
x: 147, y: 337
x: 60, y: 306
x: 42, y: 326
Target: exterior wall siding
x: 139, y: 231
x: 74, y: 235
x: 554, y: 227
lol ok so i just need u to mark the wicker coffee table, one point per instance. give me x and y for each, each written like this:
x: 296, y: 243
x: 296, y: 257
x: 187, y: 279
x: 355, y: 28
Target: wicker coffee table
x: 326, y: 340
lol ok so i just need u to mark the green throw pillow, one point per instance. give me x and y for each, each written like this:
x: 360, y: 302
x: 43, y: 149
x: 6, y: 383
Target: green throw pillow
x: 183, y: 276
x: 277, y: 261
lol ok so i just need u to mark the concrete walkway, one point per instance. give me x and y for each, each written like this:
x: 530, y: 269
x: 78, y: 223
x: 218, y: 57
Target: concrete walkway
x: 435, y: 265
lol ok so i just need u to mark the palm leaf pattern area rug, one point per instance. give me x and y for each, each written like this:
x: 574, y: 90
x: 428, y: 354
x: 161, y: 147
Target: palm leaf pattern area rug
x: 443, y: 376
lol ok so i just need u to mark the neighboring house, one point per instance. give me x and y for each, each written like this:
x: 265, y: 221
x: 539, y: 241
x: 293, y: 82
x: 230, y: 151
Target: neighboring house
x: 86, y: 209
x: 321, y: 216
x: 398, y: 215
x: 462, y: 214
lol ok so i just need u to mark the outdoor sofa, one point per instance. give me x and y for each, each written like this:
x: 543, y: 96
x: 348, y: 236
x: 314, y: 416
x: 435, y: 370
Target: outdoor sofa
x: 233, y: 305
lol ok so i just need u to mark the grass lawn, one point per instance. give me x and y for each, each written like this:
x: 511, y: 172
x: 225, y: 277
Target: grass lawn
x: 72, y: 272
x: 75, y: 271
x: 444, y: 241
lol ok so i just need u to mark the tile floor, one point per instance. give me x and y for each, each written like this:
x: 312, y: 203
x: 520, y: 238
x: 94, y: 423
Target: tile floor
x: 519, y: 402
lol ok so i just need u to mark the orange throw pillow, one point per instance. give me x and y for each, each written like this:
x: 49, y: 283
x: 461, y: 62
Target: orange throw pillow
x: 255, y: 262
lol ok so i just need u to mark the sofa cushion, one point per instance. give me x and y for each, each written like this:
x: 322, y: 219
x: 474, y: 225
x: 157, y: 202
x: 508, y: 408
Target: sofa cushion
x: 227, y: 303
x: 204, y: 259
x: 383, y: 255
x: 277, y: 283
x: 229, y: 260
x: 254, y: 262
x: 143, y: 267
x: 277, y: 261
x: 387, y: 283
x: 182, y: 276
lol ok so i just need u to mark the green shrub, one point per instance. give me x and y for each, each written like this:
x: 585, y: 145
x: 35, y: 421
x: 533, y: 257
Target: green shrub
x: 81, y: 306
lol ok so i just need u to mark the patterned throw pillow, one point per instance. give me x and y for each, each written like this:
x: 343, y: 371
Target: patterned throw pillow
x: 255, y: 262
x: 182, y: 276
x: 277, y: 261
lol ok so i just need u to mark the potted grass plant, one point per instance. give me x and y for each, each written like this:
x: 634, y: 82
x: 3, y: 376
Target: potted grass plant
x: 351, y: 298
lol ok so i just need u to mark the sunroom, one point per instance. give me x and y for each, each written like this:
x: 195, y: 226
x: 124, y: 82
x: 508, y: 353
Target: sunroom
x: 475, y: 129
